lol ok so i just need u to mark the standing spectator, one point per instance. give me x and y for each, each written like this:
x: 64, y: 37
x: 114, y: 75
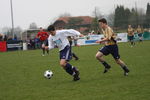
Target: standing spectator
x: 32, y: 43
x: 1, y: 37
x: 5, y: 38
x: 130, y: 32
x: 42, y: 35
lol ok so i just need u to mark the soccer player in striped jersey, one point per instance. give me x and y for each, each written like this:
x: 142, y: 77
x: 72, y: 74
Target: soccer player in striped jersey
x: 109, y: 48
x: 130, y: 32
x: 140, y: 33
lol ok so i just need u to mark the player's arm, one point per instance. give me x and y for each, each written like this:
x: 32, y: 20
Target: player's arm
x: 71, y: 32
x: 102, y: 40
x: 46, y: 34
x: 50, y: 43
x: 38, y: 35
x: 107, y: 37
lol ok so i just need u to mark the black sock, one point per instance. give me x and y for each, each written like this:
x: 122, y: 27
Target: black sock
x: 43, y: 50
x: 47, y: 51
x: 131, y: 43
x: 124, y: 67
x: 69, y: 69
x: 73, y: 54
x: 105, y: 64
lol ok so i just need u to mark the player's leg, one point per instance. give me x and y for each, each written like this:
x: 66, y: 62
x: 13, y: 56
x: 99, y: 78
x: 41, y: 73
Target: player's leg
x: 99, y: 57
x: 123, y: 66
x: 129, y: 37
x: 75, y: 56
x: 132, y: 40
x: 66, y: 66
x: 46, y: 46
x: 70, y: 69
x: 140, y: 37
x: 64, y: 58
x: 43, y: 49
x: 115, y: 54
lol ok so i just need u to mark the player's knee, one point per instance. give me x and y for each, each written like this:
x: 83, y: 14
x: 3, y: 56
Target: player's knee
x: 46, y: 47
x: 118, y: 61
x: 62, y: 64
x: 98, y: 56
x: 43, y: 46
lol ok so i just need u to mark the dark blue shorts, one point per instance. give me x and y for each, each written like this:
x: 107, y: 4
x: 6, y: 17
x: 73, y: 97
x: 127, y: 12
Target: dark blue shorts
x: 66, y: 53
x: 111, y: 49
x: 140, y: 34
x: 131, y: 38
x: 45, y: 42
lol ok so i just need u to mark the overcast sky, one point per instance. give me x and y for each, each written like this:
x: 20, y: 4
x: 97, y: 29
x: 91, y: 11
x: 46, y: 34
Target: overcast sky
x: 43, y: 12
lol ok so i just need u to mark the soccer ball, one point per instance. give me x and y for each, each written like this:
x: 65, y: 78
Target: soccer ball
x: 48, y: 74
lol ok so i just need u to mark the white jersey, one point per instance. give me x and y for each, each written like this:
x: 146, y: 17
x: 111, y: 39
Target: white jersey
x: 60, y: 39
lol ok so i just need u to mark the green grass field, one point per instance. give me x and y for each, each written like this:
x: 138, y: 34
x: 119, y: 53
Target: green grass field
x: 21, y: 75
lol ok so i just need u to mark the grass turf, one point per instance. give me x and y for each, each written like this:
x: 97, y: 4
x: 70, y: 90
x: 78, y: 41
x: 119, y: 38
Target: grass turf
x: 21, y: 75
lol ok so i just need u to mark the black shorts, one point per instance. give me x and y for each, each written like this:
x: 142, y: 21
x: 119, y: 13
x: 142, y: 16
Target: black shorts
x: 45, y: 42
x: 131, y: 38
x: 111, y: 49
x: 140, y: 34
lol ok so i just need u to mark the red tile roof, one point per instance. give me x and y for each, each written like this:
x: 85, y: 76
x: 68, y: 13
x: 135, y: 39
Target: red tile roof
x: 86, y: 19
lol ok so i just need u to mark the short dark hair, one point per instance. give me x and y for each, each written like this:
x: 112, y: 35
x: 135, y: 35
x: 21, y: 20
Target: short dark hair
x: 103, y: 20
x: 51, y: 28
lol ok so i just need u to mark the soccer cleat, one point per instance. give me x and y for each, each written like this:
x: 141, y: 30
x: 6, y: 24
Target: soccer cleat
x: 126, y: 72
x: 106, y: 69
x: 76, y: 58
x: 76, y: 75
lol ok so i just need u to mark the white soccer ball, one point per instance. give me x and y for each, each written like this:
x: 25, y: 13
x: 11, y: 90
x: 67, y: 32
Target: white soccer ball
x: 48, y: 74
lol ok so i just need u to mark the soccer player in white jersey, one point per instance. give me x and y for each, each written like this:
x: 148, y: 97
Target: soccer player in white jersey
x: 59, y: 38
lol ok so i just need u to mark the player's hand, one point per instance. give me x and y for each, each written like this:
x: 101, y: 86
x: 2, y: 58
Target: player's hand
x: 46, y: 47
x: 81, y: 35
x: 98, y: 41
x: 118, y: 39
x: 102, y: 38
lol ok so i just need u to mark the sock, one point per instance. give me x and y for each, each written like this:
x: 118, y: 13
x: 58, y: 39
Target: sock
x: 74, y: 56
x: 43, y: 51
x: 131, y: 43
x: 124, y: 67
x: 105, y: 64
x: 69, y: 69
x: 47, y: 51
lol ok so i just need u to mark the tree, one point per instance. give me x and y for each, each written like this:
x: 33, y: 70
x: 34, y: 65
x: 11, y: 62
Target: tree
x: 6, y: 30
x: 141, y: 16
x: 133, y: 20
x: 125, y: 16
x: 33, y: 26
x: 65, y: 15
x: 148, y: 16
x: 110, y: 19
x: 18, y: 32
x: 95, y: 25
